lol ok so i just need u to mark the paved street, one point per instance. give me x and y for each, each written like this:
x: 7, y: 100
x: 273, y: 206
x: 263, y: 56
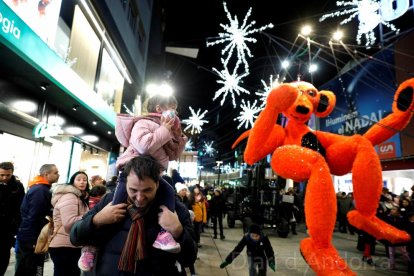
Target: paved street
x: 289, y: 259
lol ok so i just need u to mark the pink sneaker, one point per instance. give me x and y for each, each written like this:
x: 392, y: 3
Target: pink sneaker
x: 87, y: 259
x: 166, y: 242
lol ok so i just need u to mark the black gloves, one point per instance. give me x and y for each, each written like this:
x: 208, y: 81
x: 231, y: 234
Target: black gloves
x: 224, y: 264
x: 272, y: 265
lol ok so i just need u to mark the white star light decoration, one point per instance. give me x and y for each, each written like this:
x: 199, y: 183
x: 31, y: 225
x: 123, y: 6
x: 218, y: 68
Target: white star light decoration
x: 195, y: 122
x: 189, y: 145
x: 231, y: 85
x: 208, y: 148
x: 248, y: 114
x: 266, y: 90
x: 368, y: 14
x: 237, y: 36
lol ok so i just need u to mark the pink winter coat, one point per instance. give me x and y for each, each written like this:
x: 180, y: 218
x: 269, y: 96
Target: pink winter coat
x: 146, y: 135
x: 67, y: 209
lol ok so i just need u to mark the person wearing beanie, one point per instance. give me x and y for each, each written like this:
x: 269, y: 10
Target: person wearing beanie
x: 259, y: 252
x: 182, y: 194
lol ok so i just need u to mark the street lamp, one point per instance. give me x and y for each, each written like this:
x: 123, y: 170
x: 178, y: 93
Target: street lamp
x: 218, y: 175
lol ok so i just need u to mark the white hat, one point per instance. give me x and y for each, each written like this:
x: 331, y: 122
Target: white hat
x: 180, y: 186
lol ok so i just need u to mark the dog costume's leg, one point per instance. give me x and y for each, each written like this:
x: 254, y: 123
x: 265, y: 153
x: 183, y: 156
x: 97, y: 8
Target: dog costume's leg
x: 299, y: 164
x: 367, y: 184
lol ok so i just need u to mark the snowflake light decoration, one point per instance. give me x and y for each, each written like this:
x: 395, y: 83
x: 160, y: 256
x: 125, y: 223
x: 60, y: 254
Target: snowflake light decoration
x: 237, y: 37
x: 231, y: 82
x: 208, y: 148
x: 266, y: 90
x: 369, y: 16
x: 195, y: 122
x: 248, y: 114
x: 189, y: 145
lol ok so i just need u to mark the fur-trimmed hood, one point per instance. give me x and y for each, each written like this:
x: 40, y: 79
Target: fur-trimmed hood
x: 61, y: 189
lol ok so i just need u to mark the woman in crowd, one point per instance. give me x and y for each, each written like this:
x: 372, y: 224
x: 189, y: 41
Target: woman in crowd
x: 198, y: 205
x: 69, y: 205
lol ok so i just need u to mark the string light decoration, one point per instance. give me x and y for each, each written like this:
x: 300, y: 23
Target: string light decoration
x: 189, y: 145
x: 266, y: 90
x: 368, y: 14
x: 195, y: 121
x: 231, y: 84
x: 248, y: 114
x: 237, y: 37
x: 208, y: 148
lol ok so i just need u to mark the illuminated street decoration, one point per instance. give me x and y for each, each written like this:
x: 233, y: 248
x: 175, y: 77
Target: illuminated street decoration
x: 208, y: 148
x: 266, y: 90
x: 248, y: 114
x: 195, y: 122
x: 370, y: 14
x: 237, y: 37
x: 189, y: 145
x: 231, y: 84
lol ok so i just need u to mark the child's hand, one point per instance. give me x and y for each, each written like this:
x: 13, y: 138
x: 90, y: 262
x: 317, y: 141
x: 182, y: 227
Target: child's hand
x: 167, y: 122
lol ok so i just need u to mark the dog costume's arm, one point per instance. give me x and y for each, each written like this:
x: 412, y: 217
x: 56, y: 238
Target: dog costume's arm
x: 266, y: 135
x: 402, y: 111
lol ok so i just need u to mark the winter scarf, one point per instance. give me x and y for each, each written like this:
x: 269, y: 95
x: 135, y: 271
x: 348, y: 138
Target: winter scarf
x: 134, y: 247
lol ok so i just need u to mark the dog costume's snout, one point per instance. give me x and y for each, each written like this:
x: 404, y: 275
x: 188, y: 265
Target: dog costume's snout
x: 302, y: 109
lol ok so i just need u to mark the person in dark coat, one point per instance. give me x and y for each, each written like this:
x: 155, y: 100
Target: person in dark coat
x: 176, y: 177
x: 217, y: 206
x: 125, y: 232
x: 259, y: 252
x: 35, y: 207
x: 111, y: 184
x: 11, y: 196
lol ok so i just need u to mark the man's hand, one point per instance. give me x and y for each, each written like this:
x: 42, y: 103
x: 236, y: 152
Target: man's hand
x: 224, y: 264
x: 170, y: 222
x: 272, y: 265
x: 110, y: 214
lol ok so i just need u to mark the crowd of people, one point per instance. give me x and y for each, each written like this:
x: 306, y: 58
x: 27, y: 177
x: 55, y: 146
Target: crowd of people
x: 143, y: 221
x: 397, y: 210
x: 87, y: 222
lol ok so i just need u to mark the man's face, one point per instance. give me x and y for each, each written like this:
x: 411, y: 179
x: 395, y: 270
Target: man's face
x: 142, y: 192
x: 53, y: 175
x: 5, y: 175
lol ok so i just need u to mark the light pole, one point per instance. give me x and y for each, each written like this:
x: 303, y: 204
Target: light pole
x: 199, y: 176
x: 218, y: 175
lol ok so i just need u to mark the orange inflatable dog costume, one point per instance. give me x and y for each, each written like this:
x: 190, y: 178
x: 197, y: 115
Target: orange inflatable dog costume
x: 301, y: 153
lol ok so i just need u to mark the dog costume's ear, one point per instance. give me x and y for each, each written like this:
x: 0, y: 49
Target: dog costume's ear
x: 326, y: 103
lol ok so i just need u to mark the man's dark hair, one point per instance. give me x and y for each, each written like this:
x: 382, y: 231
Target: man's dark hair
x: 7, y: 166
x: 144, y: 166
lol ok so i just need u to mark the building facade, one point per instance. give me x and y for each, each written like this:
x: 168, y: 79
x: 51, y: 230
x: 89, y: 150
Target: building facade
x: 67, y: 67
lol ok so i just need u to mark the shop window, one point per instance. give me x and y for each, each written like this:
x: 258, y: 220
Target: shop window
x: 110, y: 82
